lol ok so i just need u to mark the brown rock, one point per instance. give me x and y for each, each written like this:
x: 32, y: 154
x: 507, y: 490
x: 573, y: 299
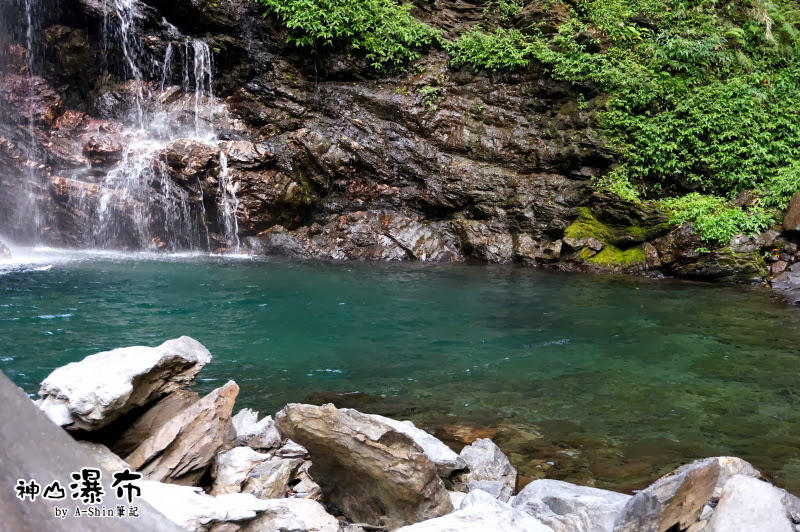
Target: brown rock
x: 672, y: 502
x: 369, y: 470
x: 181, y: 450
x: 791, y: 222
x: 152, y: 419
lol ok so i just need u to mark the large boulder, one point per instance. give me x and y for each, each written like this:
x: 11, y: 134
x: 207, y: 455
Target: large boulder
x: 791, y: 222
x: 181, y: 450
x: 674, y: 501
x: 5, y: 253
x: 566, y: 507
x: 481, y: 512
x: 368, y: 469
x: 487, y: 463
x: 90, y: 394
x: 749, y: 505
x: 444, y: 457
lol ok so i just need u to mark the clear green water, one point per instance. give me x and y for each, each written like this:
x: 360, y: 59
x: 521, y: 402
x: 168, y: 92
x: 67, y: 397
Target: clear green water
x: 599, y: 380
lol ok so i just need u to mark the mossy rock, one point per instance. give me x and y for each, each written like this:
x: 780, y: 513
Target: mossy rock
x: 588, y: 225
x: 613, y: 257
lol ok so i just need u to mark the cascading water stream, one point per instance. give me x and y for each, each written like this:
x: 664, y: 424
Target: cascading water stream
x: 132, y: 195
x: 164, y: 220
x: 230, y: 203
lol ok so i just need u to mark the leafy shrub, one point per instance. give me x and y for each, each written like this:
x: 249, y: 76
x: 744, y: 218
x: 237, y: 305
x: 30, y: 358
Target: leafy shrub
x: 383, y: 29
x: 702, y: 96
x: 503, y: 49
x: 716, y: 219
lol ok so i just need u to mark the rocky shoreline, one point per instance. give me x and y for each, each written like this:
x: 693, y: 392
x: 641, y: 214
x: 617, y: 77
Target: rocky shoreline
x: 323, y: 469
x: 328, y: 159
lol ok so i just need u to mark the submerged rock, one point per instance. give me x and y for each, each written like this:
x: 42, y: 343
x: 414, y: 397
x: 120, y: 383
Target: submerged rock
x: 565, y: 507
x: 365, y: 467
x: 92, y: 393
x: 181, y: 450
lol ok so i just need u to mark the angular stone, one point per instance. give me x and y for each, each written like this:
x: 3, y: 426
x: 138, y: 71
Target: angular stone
x: 480, y: 512
x: 5, y: 253
x: 292, y: 450
x: 791, y: 221
x: 295, y: 515
x: 486, y: 461
x: 674, y: 500
x: 90, y: 394
x: 565, y: 507
x: 181, y: 449
x: 231, y: 469
x: 749, y: 505
x: 192, y: 509
x: 253, y: 433
x: 146, y: 425
x: 444, y: 457
x: 368, y: 469
x: 270, y: 479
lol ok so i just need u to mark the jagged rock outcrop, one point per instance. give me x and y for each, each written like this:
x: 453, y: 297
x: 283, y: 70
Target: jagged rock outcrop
x: 365, y: 467
x: 181, y: 449
x: 92, y: 393
x: 5, y: 253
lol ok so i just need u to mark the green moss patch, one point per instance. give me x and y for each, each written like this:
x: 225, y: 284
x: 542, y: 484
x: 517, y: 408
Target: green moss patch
x: 613, y: 256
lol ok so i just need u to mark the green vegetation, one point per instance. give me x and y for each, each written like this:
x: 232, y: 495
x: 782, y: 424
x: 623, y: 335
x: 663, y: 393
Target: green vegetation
x: 503, y: 49
x: 702, y: 96
x: 611, y: 256
x: 383, y: 29
x: 429, y: 95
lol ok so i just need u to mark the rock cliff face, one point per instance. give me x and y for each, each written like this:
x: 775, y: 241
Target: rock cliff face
x: 314, y: 154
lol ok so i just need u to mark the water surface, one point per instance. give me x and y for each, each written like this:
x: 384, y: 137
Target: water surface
x: 600, y: 380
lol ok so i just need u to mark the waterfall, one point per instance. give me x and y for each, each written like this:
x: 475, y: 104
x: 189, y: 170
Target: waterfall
x: 134, y: 200
x: 230, y: 203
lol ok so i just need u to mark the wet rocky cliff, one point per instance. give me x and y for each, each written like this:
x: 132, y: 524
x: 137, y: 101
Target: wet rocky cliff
x: 191, y: 125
